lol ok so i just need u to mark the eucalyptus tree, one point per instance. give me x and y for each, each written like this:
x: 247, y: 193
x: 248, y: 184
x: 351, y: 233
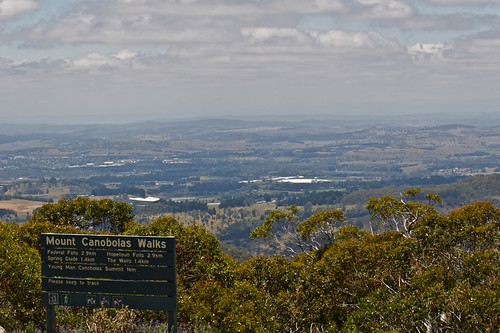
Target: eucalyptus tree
x: 285, y: 232
x: 401, y: 214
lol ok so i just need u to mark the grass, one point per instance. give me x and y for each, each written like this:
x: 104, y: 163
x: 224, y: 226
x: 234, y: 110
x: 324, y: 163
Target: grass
x: 20, y: 206
x: 101, y: 320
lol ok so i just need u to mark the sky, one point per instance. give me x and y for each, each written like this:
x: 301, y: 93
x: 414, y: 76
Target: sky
x: 116, y: 61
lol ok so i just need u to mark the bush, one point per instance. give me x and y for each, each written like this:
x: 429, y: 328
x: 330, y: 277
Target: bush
x: 20, y: 282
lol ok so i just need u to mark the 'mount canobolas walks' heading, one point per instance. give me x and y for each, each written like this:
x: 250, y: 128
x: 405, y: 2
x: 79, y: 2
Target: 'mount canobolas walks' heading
x: 108, y: 242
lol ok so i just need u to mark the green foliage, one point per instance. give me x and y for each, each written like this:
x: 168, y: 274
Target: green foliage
x: 20, y: 290
x: 288, y: 220
x: 199, y: 257
x: 453, y: 279
x: 475, y: 226
x: 321, y: 226
x: 89, y: 320
x: 199, y: 262
x: 30, y: 231
x: 470, y: 189
x: 401, y: 213
x: 86, y: 214
x: 238, y: 308
x: 441, y: 274
x: 271, y: 274
x: 285, y: 232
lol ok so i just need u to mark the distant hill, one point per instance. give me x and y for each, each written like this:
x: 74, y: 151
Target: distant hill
x: 471, y: 189
x: 454, y: 195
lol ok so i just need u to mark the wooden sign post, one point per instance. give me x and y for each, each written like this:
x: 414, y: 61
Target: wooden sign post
x: 108, y: 271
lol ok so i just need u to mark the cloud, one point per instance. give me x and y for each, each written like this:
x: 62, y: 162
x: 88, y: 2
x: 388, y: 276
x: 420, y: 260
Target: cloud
x: 12, y: 8
x: 368, y: 40
x: 186, y: 22
x: 458, y: 22
x: 384, y: 9
x: 335, y: 40
x: 228, y: 29
x: 428, y: 52
x: 462, y: 2
x: 262, y: 34
x: 426, y: 48
x: 90, y: 63
x: 95, y: 61
x: 24, y: 68
x: 482, y: 47
x: 167, y: 21
x: 133, y: 24
x: 229, y: 55
x: 125, y: 55
x: 234, y: 34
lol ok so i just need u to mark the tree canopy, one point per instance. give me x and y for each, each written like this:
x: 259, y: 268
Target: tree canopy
x: 286, y: 233
x: 86, y: 214
x: 420, y: 271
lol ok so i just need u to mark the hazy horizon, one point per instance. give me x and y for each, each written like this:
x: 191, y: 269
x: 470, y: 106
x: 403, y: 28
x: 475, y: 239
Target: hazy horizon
x: 120, y: 61
x: 340, y: 122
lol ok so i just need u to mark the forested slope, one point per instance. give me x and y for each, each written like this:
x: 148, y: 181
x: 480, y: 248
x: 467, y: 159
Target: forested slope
x: 462, y: 192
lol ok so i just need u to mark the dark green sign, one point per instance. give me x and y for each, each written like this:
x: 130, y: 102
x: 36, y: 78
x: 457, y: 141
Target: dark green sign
x: 109, y: 271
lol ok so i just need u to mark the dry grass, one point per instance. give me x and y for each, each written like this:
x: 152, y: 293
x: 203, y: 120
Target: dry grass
x: 20, y: 206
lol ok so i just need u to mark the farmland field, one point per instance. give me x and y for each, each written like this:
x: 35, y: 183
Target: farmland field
x: 20, y: 206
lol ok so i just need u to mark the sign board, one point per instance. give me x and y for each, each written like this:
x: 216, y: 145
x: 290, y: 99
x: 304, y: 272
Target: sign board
x: 110, y: 271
